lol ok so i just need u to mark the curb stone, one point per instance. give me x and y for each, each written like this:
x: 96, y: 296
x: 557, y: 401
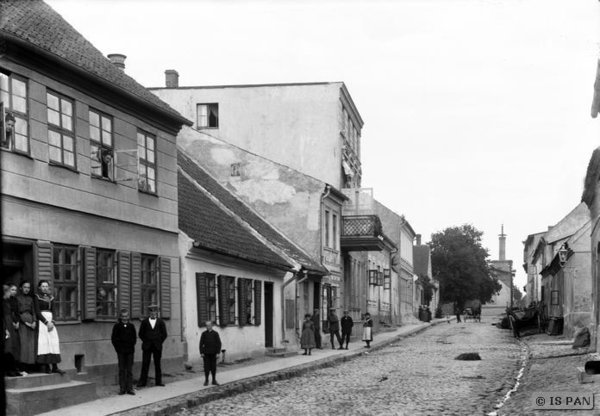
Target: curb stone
x: 192, y: 400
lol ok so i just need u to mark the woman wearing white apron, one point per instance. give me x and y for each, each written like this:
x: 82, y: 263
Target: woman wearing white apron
x: 368, y: 330
x: 48, y: 353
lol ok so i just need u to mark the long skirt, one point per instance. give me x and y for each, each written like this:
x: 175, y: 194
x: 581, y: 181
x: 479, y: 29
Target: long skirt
x: 367, y: 333
x: 307, y: 340
x: 48, y: 343
x: 27, y: 338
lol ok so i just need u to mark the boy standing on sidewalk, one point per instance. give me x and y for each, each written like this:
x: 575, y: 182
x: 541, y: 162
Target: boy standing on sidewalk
x: 123, y: 339
x: 210, y: 347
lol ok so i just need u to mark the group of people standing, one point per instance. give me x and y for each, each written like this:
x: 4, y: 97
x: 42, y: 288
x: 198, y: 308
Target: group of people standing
x: 31, y: 340
x: 311, y: 330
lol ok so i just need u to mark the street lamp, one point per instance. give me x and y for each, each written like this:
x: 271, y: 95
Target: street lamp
x: 562, y: 255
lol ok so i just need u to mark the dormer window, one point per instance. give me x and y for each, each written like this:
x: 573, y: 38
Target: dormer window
x: 208, y: 116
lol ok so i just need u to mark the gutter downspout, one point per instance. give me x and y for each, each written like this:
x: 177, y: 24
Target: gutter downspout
x: 285, y: 284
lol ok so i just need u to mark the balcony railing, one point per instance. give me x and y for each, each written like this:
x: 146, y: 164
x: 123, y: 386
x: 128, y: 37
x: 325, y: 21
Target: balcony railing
x: 362, y: 233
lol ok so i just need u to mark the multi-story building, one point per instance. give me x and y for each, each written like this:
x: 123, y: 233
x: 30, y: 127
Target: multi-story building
x: 533, y: 289
x: 89, y: 187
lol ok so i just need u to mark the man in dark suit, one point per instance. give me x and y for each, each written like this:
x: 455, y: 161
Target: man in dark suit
x: 210, y: 347
x: 123, y: 339
x: 153, y: 332
x: 316, y: 320
x: 347, y: 324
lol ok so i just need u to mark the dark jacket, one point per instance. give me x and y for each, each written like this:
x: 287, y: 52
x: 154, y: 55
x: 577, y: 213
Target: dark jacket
x: 334, y: 322
x: 124, y: 338
x: 153, y: 337
x: 210, y: 342
x: 316, y: 320
x: 347, y: 324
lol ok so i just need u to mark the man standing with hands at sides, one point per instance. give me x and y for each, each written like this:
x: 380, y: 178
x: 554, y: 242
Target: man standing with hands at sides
x: 210, y: 347
x: 123, y: 339
x: 347, y: 324
x: 153, y: 332
x: 334, y: 328
x: 316, y: 320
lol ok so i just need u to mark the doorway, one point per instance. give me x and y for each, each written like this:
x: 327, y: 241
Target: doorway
x: 268, y: 315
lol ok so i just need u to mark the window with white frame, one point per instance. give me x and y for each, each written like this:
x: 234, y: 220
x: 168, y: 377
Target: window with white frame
x: 147, y: 162
x: 13, y: 95
x: 101, y: 145
x: 65, y: 279
x: 149, y: 281
x: 61, y: 129
x: 207, y: 116
x: 106, y: 284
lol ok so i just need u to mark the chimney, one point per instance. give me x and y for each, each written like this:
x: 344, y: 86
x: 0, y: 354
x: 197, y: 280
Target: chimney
x: 117, y: 60
x: 502, y: 253
x: 171, y: 78
x: 418, y: 239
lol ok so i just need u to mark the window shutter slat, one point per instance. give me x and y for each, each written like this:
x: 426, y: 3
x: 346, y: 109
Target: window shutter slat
x: 257, y: 302
x: 165, y: 287
x: 241, y: 289
x: 124, y: 264
x: 89, y: 288
x: 223, y: 301
x: 44, y: 261
x: 202, y: 298
x: 136, y: 285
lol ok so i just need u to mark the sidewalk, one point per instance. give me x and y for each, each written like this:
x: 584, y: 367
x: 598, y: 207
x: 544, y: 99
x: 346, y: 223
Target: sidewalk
x: 234, y: 380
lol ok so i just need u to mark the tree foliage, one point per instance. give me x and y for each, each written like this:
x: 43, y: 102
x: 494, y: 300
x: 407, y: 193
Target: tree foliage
x: 428, y: 287
x: 460, y: 263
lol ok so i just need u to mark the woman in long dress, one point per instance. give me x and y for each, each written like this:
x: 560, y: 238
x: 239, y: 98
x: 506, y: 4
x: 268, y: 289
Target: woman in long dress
x: 48, y: 353
x: 307, y: 340
x: 368, y: 330
x: 11, y: 337
x: 27, y: 324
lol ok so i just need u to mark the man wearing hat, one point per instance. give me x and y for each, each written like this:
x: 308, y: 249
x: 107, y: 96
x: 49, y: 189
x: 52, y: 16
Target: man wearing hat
x: 347, y: 324
x: 334, y: 328
x: 153, y: 332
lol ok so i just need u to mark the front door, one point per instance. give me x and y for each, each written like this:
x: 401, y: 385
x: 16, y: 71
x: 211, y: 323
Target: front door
x: 268, y: 314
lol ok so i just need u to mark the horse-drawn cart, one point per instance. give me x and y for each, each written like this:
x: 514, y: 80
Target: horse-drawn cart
x: 533, y: 316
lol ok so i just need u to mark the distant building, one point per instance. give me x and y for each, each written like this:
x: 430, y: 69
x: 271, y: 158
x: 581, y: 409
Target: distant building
x: 422, y: 267
x: 502, y: 269
x: 533, y: 288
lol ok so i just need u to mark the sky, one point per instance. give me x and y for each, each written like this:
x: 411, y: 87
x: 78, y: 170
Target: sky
x: 476, y: 111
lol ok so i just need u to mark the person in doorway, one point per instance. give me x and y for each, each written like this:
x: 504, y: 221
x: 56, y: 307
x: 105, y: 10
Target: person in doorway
x: 347, y: 324
x: 153, y: 333
x: 334, y: 328
x: 123, y: 339
x: 11, y: 337
x: 48, y: 353
x: 307, y: 340
x: 316, y: 320
x: 27, y: 325
x: 210, y: 348
x: 368, y: 330
x: 457, y: 313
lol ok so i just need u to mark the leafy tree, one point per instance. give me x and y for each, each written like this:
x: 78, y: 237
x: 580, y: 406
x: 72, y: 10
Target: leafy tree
x: 428, y: 287
x: 459, y: 262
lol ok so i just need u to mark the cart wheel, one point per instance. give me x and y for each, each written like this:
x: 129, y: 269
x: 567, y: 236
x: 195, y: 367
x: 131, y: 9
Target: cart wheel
x: 513, y: 326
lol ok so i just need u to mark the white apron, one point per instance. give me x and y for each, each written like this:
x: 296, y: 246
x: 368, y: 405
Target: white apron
x: 47, y: 340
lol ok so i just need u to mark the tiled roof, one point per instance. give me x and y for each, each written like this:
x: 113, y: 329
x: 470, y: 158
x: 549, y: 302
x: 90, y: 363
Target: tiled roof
x: 213, y: 229
x: 246, y: 214
x: 37, y: 23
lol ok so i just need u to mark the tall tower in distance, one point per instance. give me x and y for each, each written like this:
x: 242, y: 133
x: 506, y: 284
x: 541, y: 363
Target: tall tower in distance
x: 502, y: 254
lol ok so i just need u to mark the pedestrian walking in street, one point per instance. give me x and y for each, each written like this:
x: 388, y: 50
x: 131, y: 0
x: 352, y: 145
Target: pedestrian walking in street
x: 210, y: 348
x: 27, y: 325
x: 347, y: 324
x: 457, y: 313
x: 307, y: 340
x: 48, y: 352
x: 123, y: 338
x: 368, y: 329
x: 316, y: 320
x: 334, y: 328
x: 153, y: 333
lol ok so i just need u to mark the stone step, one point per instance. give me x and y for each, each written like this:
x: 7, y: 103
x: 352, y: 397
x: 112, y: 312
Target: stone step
x: 35, y: 400
x: 35, y: 380
x: 276, y: 350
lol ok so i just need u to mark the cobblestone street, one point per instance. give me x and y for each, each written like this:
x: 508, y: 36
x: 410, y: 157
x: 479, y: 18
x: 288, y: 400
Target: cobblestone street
x: 415, y: 376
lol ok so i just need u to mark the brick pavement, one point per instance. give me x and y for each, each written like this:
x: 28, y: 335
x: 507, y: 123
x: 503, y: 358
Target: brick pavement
x: 414, y: 376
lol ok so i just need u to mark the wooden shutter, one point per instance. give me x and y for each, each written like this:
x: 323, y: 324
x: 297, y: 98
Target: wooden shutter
x: 124, y: 266
x: 89, y: 288
x: 43, y: 262
x: 242, y: 318
x: 136, y: 285
x: 202, y: 298
x: 257, y: 302
x: 165, y: 287
x: 223, y: 290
